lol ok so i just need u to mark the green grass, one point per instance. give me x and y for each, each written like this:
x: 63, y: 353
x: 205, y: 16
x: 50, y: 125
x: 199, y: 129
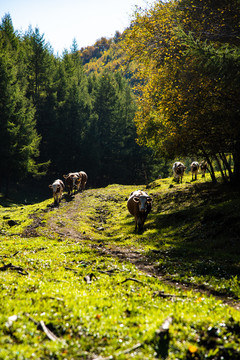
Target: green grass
x: 65, y: 275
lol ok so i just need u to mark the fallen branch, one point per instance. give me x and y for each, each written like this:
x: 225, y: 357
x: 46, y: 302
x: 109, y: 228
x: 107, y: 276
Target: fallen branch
x: 30, y: 318
x: 163, y: 295
x: 74, y: 270
x: 49, y: 333
x: 15, y: 253
x: 19, y: 269
x: 131, y: 279
x: 41, y: 325
x: 7, y: 256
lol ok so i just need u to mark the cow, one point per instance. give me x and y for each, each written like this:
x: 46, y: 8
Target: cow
x: 203, y: 167
x: 72, y: 182
x: 78, y: 181
x: 178, y: 171
x: 139, y: 205
x: 84, y: 179
x: 57, y: 187
x: 194, y: 169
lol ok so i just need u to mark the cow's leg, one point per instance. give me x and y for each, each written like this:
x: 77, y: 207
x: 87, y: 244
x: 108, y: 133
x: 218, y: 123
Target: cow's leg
x: 55, y: 200
x: 140, y: 223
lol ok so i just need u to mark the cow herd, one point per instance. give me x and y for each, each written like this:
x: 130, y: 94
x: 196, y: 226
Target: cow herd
x: 74, y: 181
x: 179, y: 168
x: 139, y: 203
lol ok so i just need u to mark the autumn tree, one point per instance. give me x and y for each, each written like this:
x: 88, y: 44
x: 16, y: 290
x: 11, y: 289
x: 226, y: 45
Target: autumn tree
x: 188, y: 102
x: 213, y: 44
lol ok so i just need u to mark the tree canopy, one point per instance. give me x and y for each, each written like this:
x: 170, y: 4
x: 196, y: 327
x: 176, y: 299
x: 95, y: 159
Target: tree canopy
x: 169, y: 83
x: 19, y: 141
x: 57, y: 117
x: 188, y: 71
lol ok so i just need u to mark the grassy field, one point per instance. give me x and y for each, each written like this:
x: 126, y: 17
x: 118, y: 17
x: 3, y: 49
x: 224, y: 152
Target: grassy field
x: 77, y: 282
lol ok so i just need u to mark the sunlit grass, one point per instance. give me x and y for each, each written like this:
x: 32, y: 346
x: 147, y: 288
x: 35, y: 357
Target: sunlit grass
x: 97, y: 305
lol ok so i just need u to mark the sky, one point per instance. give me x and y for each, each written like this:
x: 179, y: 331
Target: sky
x: 61, y: 21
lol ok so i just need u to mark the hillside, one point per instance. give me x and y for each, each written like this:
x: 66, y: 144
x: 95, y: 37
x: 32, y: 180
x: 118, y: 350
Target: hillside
x: 80, y: 283
x: 107, y: 54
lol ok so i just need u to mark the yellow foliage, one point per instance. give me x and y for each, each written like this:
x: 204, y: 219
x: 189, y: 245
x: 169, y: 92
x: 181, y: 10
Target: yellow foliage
x: 174, y: 97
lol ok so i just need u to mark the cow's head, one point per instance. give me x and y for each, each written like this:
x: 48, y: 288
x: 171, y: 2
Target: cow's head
x: 143, y: 202
x: 203, y: 165
x: 76, y: 180
x: 55, y: 187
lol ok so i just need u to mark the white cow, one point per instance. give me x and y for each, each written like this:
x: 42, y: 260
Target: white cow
x: 194, y: 169
x: 57, y: 187
x: 178, y: 171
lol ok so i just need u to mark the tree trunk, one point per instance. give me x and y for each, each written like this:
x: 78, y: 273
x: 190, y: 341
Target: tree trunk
x: 236, y: 161
x: 211, y: 170
x: 227, y: 165
x: 220, y: 167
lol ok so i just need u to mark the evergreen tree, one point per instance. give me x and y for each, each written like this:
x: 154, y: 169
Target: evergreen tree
x: 72, y: 114
x: 119, y: 158
x: 19, y: 141
x: 37, y: 58
x: 40, y: 68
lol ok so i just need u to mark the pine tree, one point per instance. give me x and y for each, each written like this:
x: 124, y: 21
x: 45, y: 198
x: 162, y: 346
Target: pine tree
x: 72, y: 114
x: 37, y: 58
x: 19, y: 140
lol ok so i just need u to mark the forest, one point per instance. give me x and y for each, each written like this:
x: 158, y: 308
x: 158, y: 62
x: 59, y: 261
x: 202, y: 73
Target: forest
x: 77, y: 280
x: 125, y: 108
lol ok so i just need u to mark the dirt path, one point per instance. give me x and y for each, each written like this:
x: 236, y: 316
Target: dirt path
x: 59, y: 225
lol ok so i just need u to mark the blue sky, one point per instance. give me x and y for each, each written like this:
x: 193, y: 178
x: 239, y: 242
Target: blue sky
x: 63, y: 20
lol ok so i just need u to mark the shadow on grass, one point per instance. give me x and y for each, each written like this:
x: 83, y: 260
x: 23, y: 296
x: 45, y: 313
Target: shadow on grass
x: 199, y: 234
x: 26, y: 193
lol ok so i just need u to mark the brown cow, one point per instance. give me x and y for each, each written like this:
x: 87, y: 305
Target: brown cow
x: 78, y: 181
x: 57, y: 187
x: 194, y: 169
x: 203, y: 167
x: 84, y: 179
x: 139, y: 205
x: 72, y: 181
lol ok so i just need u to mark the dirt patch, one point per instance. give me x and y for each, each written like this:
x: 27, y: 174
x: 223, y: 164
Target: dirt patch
x: 31, y: 230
